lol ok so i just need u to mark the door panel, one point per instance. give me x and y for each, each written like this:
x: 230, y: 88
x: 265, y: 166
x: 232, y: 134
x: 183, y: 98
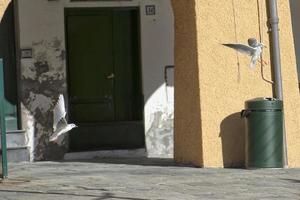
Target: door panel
x: 108, y: 135
x: 126, y: 66
x: 105, y: 96
x: 90, y: 62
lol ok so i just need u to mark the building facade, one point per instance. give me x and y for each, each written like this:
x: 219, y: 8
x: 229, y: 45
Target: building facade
x: 126, y: 95
x: 208, y: 129
x: 114, y: 62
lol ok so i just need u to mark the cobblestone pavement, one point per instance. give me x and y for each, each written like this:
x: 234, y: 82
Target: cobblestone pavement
x: 144, y: 179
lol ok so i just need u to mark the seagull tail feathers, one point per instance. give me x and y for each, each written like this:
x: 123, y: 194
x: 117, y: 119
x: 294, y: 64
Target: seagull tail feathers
x: 252, y: 65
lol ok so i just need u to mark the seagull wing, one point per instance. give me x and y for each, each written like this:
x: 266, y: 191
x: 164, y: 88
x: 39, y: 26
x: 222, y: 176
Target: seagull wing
x: 59, y: 112
x: 242, y: 48
x: 61, y: 130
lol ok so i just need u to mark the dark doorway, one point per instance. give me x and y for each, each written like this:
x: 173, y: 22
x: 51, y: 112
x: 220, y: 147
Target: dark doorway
x: 104, y: 78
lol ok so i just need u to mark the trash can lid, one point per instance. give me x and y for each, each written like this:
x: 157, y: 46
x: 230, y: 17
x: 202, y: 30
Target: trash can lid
x: 264, y: 104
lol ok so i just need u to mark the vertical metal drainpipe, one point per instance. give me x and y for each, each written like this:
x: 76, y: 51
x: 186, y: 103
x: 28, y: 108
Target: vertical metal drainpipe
x: 273, y: 22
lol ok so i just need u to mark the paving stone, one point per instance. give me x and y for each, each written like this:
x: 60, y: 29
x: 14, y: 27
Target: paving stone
x: 144, y: 179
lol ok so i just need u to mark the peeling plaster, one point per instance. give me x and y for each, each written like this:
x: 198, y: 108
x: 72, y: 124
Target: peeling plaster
x: 40, y: 101
x: 159, y: 123
x: 28, y: 124
x: 42, y: 80
x: 28, y: 69
x: 160, y: 134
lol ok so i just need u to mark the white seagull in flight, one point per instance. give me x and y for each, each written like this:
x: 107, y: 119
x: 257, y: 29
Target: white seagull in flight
x: 254, y: 50
x: 60, y: 125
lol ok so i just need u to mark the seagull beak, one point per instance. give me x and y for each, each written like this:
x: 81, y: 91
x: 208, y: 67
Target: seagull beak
x: 264, y: 45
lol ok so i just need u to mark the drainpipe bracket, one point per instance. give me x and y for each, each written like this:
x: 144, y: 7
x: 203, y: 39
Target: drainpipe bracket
x: 273, y: 20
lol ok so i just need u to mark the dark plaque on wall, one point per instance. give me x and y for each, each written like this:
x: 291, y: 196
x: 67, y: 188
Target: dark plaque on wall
x: 150, y: 10
x: 26, y: 53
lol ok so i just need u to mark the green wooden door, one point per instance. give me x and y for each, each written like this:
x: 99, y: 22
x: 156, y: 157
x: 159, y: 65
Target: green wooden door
x: 7, y: 52
x: 104, y: 79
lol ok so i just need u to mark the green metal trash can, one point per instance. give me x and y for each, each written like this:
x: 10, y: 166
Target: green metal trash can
x: 264, y: 133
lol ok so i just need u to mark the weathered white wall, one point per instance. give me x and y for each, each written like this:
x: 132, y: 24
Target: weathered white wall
x: 41, y: 26
x: 295, y: 7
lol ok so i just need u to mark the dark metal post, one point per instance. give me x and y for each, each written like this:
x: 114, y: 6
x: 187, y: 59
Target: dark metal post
x: 3, y: 124
x: 273, y: 22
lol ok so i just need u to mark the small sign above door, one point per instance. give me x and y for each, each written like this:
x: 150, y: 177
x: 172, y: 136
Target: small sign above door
x: 150, y: 10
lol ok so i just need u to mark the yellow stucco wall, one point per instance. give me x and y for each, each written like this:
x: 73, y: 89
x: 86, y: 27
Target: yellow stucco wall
x: 225, y: 81
x: 3, y: 5
x: 290, y: 85
x: 188, y: 141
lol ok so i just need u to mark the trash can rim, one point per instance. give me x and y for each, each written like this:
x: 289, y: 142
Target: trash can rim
x: 264, y: 103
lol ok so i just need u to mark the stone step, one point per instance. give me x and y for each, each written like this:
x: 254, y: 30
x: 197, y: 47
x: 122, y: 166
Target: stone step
x: 11, y: 122
x: 15, y: 138
x: 17, y: 150
x: 18, y: 154
x: 86, y: 155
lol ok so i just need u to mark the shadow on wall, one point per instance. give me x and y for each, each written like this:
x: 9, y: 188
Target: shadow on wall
x: 295, y: 6
x: 233, y: 141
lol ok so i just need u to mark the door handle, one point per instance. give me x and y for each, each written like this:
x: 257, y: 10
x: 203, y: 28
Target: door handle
x: 108, y: 97
x: 111, y: 76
